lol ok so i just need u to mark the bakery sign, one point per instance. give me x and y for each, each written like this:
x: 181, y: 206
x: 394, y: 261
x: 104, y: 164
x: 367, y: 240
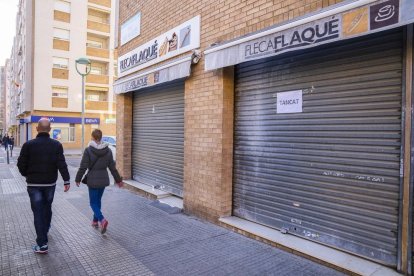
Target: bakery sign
x: 179, y: 40
x: 305, y: 35
x: 343, y: 21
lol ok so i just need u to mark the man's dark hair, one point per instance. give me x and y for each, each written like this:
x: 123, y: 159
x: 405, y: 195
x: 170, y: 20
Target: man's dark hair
x: 97, y: 134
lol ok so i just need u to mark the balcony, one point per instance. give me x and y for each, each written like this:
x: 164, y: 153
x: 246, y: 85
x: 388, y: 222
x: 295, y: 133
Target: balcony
x: 97, y: 52
x: 59, y: 102
x: 105, y: 3
x: 60, y: 73
x: 59, y: 44
x: 61, y: 16
x: 96, y: 105
x: 99, y: 79
x: 98, y: 26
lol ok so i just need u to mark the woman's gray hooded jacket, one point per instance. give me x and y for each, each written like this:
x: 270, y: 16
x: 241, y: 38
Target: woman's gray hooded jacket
x: 98, y: 177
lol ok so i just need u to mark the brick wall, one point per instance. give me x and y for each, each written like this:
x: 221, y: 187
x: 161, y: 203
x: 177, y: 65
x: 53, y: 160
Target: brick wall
x: 209, y: 96
x: 124, y: 134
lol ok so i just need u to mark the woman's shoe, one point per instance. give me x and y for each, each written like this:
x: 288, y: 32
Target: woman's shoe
x: 104, y: 225
x: 95, y: 224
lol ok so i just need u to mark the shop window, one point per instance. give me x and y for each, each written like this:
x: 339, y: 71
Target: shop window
x: 72, y: 132
x: 64, y: 134
x: 59, y: 92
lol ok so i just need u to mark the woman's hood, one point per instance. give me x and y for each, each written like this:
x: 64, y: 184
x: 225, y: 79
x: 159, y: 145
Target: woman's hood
x: 99, y: 149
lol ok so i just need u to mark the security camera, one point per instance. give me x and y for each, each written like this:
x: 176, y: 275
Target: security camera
x: 195, y: 58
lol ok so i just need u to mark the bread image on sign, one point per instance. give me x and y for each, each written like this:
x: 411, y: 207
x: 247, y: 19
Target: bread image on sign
x: 164, y: 47
x: 355, y: 22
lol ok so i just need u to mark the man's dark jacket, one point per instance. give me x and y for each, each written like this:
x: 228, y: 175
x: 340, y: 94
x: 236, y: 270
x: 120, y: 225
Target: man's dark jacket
x: 40, y: 159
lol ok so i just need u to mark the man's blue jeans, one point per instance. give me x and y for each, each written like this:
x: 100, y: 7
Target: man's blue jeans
x: 41, y: 199
x: 95, y: 197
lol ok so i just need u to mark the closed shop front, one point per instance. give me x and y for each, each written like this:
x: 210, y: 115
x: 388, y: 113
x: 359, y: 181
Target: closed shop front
x: 154, y: 72
x: 299, y: 126
x: 331, y: 171
x: 158, y: 137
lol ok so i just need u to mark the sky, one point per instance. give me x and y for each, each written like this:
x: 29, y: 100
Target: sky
x: 8, y: 10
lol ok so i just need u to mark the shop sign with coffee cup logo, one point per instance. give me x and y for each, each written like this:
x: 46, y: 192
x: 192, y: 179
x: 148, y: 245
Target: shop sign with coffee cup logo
x: 179, y: 40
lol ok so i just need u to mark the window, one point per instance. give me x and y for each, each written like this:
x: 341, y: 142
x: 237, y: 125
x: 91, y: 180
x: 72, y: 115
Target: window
x: 61, y: 34
x: 98, y: 16
x: 62, y: 6
x: 93, y: 93
x: 94, y: 44
x: 92, y: 97
x: 71, y: 132
x: 64, y: 134
x: 116, y: 69
x: 99, y: 68
x: 61, y: 63
x: 59, y: 92
x: 96, y: 70
x: 96, y: 95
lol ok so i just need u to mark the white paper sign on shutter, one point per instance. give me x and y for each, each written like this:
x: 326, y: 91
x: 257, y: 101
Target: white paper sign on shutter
x: 289, y: 102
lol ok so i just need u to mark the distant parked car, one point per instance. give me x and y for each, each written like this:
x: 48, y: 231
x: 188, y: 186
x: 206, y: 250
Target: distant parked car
x: 111, y: 140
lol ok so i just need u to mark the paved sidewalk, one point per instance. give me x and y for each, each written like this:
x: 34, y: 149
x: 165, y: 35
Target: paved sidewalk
x: 141, y: 239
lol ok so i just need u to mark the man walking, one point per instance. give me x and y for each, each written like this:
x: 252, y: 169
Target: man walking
x: 39, y: 161
x: 6, y: 141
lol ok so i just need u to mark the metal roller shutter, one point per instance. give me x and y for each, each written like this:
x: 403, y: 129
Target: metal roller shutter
x: 158, y: 137
x: 331, y: 173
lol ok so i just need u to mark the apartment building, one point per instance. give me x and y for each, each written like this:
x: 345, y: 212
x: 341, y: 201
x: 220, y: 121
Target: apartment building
x: 10, y: 103
x: 50, y: 36
x: 2, y: 99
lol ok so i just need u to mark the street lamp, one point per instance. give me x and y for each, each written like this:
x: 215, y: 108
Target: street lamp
x: 85, y: 64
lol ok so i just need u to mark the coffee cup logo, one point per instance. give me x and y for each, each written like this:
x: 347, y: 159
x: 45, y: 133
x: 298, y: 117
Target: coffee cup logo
x: 385, y: 13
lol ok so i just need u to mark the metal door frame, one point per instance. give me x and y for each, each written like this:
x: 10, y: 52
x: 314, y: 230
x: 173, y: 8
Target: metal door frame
x: 405, y: 247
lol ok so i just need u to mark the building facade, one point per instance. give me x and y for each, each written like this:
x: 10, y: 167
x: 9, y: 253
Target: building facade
x: 2, y: 99
x: 10, y: 116
x: 50, y: 36
x: 295, y: 115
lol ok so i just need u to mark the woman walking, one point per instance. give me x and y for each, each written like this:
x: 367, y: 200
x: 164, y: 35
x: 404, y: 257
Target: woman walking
x: 96, y: 159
